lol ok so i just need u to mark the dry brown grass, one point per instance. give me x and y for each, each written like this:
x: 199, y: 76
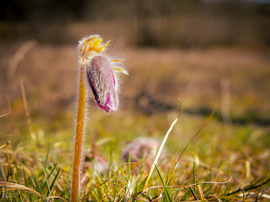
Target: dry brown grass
x: 158, y: 77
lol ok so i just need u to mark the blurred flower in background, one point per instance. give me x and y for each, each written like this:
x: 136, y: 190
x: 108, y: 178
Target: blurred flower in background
x: 142, y: 148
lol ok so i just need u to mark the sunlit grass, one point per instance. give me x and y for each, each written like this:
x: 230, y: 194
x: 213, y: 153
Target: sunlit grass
x: 228, y: 157
x: 223, y: 158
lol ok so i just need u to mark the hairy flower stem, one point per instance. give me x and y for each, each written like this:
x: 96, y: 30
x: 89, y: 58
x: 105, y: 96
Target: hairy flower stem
x: 79, y: 138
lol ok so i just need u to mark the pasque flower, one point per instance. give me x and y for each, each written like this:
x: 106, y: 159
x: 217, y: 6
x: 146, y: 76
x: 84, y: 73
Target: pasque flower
x: 101, y: 72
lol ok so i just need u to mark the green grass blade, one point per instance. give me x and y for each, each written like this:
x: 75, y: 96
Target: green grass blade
x: 106, y: 189
x: 52, y: 171
x: 54, y: 180
x: 123, y: 173
x: 46, y: 180
x: 194, y: 175
x: 194, y: 172
x: 26, y: 183
x: 165, y: 187
x: 38, y: 185
x: 140, y: 187
x: 110, y: 165
x: 47, y: 156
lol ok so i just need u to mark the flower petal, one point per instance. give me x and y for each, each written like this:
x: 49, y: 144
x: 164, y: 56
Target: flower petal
x: 101, y: 79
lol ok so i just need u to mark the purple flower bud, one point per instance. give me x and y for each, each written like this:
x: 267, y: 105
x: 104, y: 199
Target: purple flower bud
x: 103, y: 84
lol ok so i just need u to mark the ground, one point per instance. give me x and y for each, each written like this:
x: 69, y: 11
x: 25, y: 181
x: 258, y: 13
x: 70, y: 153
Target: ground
x: 236, y: 79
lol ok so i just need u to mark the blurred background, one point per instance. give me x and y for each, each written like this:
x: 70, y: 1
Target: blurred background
x: 199, y: 50
x: 163, y: 24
